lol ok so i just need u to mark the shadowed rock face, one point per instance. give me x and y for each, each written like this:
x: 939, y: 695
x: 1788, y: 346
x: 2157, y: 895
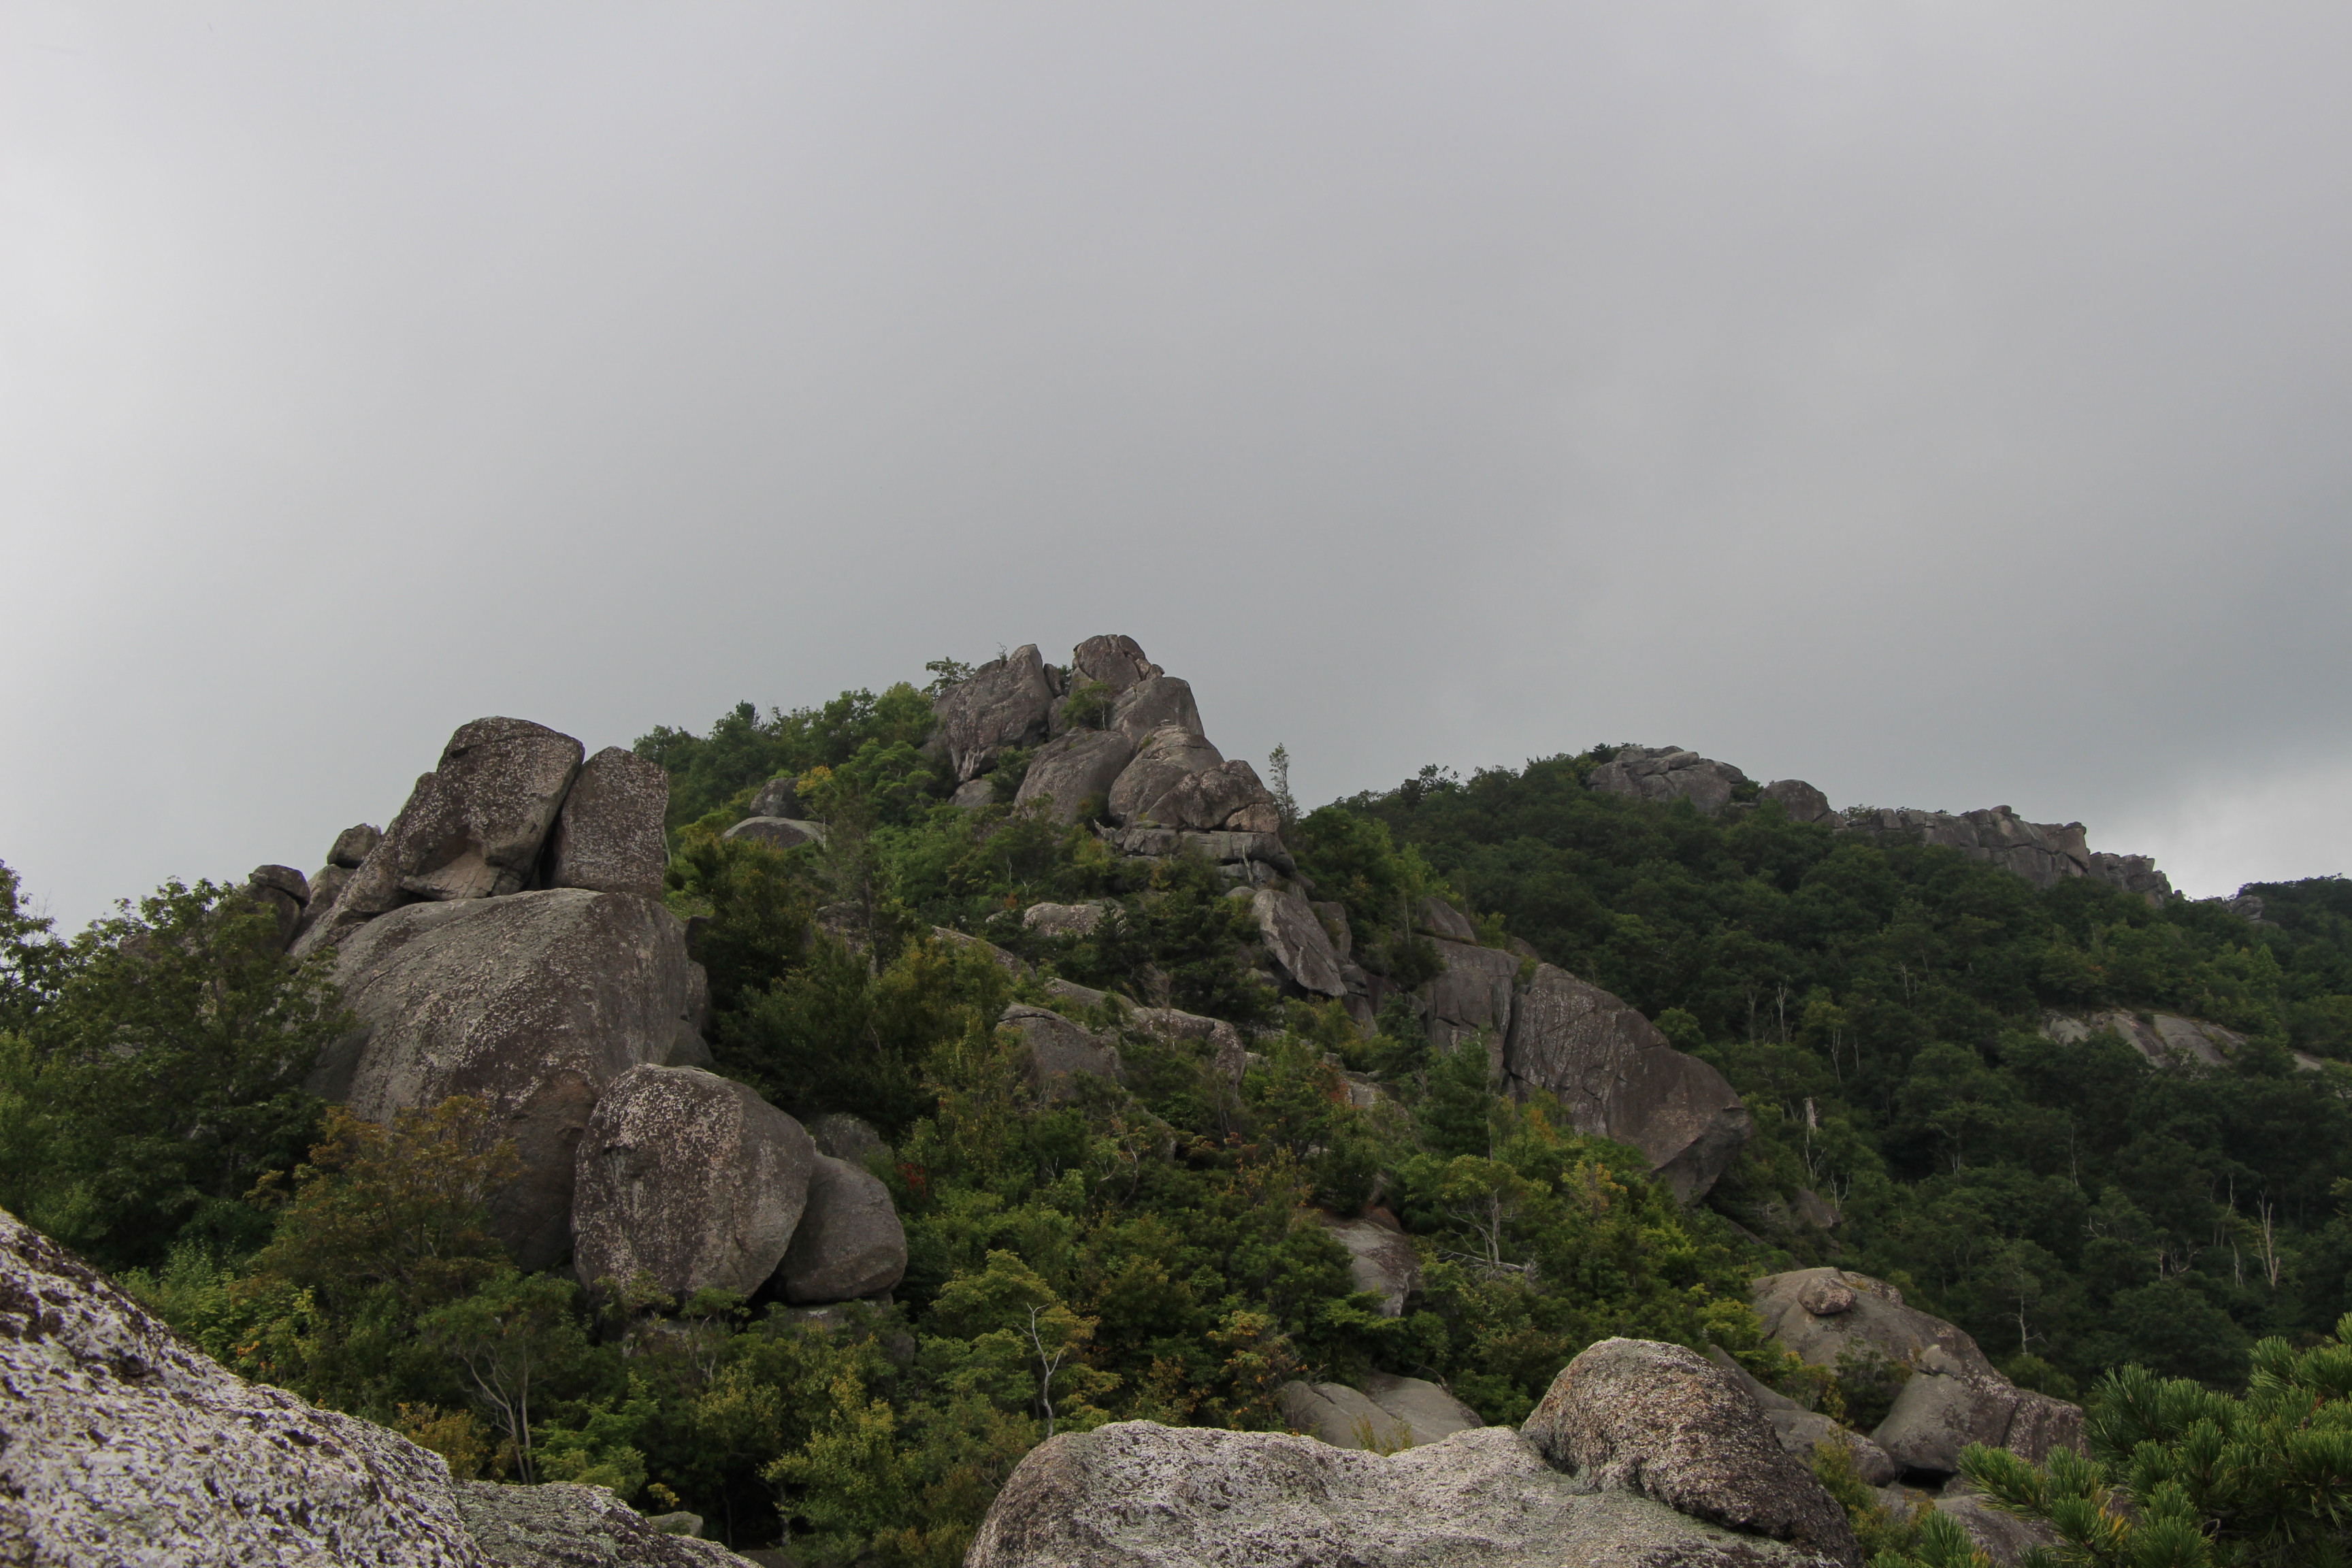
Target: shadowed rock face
x: 1621, y: 1079
x: 533, y: 1003
x: 1669, y: 774
x: 1802, y: 802
x: 1148, y: 705
x: 1381, y: 1260
x: 1061, y: 1052
x: 1178, y: 780
x: 1138, y: 1495
x: 1007, y: 701
x: 1116, y: 662
x: 1297, y: 941
x: 1664, y: 1421
x: 1474, y: 994
x: 689, y: 1176
x: 1387, y: 1414
x: 608, y: 837
x: 1082, y: 764
x: 126, y: 1445
x: 850, y: 1242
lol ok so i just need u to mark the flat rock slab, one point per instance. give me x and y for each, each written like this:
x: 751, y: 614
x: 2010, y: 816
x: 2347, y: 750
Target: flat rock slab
x: 125, y: 1445
x: 1139, y: 1495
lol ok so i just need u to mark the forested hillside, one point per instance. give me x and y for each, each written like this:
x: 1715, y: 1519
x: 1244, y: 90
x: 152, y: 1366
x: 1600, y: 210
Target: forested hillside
x: 1176, y: 1231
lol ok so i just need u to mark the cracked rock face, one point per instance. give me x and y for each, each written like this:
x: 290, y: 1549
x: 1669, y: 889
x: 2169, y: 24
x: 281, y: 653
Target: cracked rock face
x: 850, y: 1242
x: 1007, y: 701
x: 1139, y: 1495
x: 1069, y: 771
x: 1178, y: 780
x: 126, y: 1445
x: 1669, y: 774
x: 608, y: 837
x: 1664, y: 1421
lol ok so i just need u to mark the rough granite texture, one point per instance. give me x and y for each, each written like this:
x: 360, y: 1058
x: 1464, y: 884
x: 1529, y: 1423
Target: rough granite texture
x: 777, y: 832
x: 1007, y: 701
x: 1149, y: 705
x: 608, y: 837
x: 1621, y: 1079
x: 1138, y: 1495
x: 1392, y: 1412
x: 564, y: 1525
x: 1114, y: 661
x: 1060, y: 1050
x: 689, y: 1176
x: 1472, y: 996
x: 1381, y: 1260
x: 1062, y: 919
x: 1074, y: 769
x: 125, y: 1445
x: 534, y: 1003
x: 1178, y: 780
x: 849, y: 1243
x: 1664, y: 1421
x: 1297, y: 939
x: 1669, y: 774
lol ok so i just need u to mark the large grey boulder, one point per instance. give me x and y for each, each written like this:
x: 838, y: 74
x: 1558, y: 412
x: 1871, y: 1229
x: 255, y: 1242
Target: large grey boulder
x: 1471, y: 995
x: 1621, y: 1079
x: 564, y: 1525
x: 533, y: 1003
x: 1381, y: 1260
x: 777, y: 832
x: 126, y: 1445
x: 1064, y: 920
x: 1069, y: 771
x: 1665, y: 1422
x: 1826, y: 1314
x: 1997, y: 1533
x: 2043, y: 853
x: 1061, y: 1052
x: 1138, y: 1495
x: 284, y: 892
x: 1007, y: 701
x: 848, y: 1138
x: 1149, y: 705
x: 1114, y: 662
x: 780, y: 796
x: 352, y: 845
x: 473, y: 828
x: 1387, y: 1414
x: 2137, y: 874
x: 850, y: 1242
x: 1178, y: 780
x: 608, y: 837
x: 1667, y: 773
x: 1801, y: 1431
x: 1802, y: 802
x: 1297, y: 941
x: 1439, y: 919
x: 1225, y: 848
x: 690, y: 1177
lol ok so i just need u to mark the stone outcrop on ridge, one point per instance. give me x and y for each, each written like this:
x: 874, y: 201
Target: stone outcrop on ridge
x: 1074, y: 769
x: 1669, y: 774
x: 1297, y: 941
x: 1178, y: 780
x: 608, y: 837
x: 1005, y: 702
x: 692, y: 1178
x: 1388, y: 1413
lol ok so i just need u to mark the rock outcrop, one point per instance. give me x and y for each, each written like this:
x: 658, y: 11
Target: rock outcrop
x: 1669, y: 774
x: 1473, y: 996
x: 1297, y: 941
x: 1621, y: 1079
x: 532, y: 1002
x: 1161, y: 702
x: 690, y: 1177
x: 1079, y: 766
x: 1387, y: 1414
x: 1951, y: 1395
x: 777, y: 832
x: 608, y: 837
x: 1005, y: 702
x: 1178, y: 780
x: 850, y: 1242
x: 1135, y: 1494
x: 1802, y: 802
x: 1381, y: 1260
x: 1113, y: 662
x: 1064, y: 920
x: 2165, y: 1039
x: 1061, y: 1052
x: 563, y: 1525
x: 1668, y: 1424
x: 284, y: 892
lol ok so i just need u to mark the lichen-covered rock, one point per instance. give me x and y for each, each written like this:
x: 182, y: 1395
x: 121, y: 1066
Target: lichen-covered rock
x: 1826, y: 1314
x: 1061, y: 1052
x: 1997, y: 1533
x: 1621, y: 1079
x: 533, y: 1003
x: 690, y: 1177
x: 1115, y: 663
x: 1007, y: 701
x: 1064, y: 920
x: 1381, y: 1260
x: 1139, y: 1495
x: 1075, y: 769
x: 284, y: 892
x: 608, y: 837
x: 777, y: 832
x: 125, y: 1445
x: 352, y: 845
x: 1297, y: 941
x: 1666, y: 1423
x: 1178, y: 780
x: 1149, y: 705
x: 1669, y: 774
x: 1802, y: 1431
x: 850, y: 1242
x: 564, y: 1525
x: 1802, y: 802
x: 1387, y: 1414
x: 473, y: 828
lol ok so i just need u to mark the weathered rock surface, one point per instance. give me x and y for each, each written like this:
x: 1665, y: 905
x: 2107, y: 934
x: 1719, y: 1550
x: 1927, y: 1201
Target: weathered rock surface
x: 1387, y: 1414
x: 1666, y: 1423
x: 1802, y: 1431
x: 973, y: 794
x: 690, y: 1177
x: 352, y: 845
x: 2165, y: 1039
x: 1064, y: 920
x: 846, y: 1137
x: 2002, y: 1536
x: 780, y: 796
x: 125, y: 1445
x: 1802, y: 802
x: 1669, y: 774
x: 1138, y: 1495
x: 777, y: 832
x: 284, y: 892
x: 533, y: 1003
x: 1061, y: 1051
x: 1114, y: 662
x: 1621, y: 1079
x: 988, y: 949
x: 1007, y: 701
x: 1474, y: 994
x: 1149, y: 705
x: 1297, y: 941
x: 2137, y: 874
x: 1381, y: 1260
x: 1178, y: 780
x: 1069, y: 771
x: 563, y: 1525
x: 850, y: 1242
x: 473, y: 828
x: 1439, y: 919
x: 1824, y: 1314
x: 1226, y: 849
x: 2043, y: 853
x: 608, y: 837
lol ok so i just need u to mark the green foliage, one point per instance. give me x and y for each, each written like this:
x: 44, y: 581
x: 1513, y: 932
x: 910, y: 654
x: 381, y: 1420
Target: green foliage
x: 743, y: 750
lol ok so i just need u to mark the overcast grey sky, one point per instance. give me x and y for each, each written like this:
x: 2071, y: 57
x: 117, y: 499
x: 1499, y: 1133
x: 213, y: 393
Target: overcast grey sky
x: 1944, y: 402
